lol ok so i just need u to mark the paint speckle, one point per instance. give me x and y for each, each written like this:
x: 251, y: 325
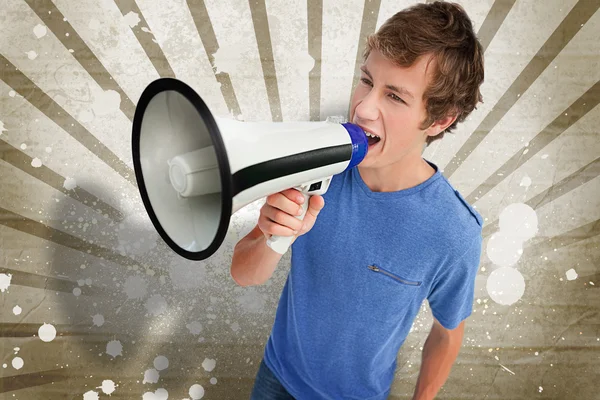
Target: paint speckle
x: 70, y: 183
x: 544, y: 156
x: 209, y: 364
x: 5, y: 281
x: 12, y: 93
x: 32, y: 55
x: 114, y: 348
x: 90, y: 395
x: 526, y: 181
x: 17, y: 363
x: 194, y: 327
x: 17, y: 310
x: 151, y: 376
x: 108, y: 386
x: 235, y: 327
x: 196, y: 391
x: 161, y: 362
x: 186, y: 274
x: 2, y: 128
x: 47, y: 332
x: 77, y: 291
x: 571, y: 274
x: 36, y: 163
x: 23, y: 146
x: 159, y: 394
x: 40, y: 31
x: 135, y: 287
x: 106, y: 102
x: 504, y: 249
x: 213, y: 381
x: 505, y: 285
x: 156, y: 305
x: 540, y: 389
x: 98, y: 320
x: 520, y: 220
x: 132, y: 19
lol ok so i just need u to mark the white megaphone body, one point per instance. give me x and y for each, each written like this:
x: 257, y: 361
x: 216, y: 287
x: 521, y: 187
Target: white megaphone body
x: 195, y: 170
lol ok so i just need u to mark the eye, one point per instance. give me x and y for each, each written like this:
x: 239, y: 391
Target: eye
x: 396, y: 98
x: 366, y: 81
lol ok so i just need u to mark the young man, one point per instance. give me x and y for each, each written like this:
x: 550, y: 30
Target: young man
x: 395, y: 231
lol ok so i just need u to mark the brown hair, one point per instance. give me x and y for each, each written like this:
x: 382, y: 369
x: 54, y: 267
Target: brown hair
x: 444, y: 31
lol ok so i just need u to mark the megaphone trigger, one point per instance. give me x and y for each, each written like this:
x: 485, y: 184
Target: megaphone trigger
x: 281, y: 244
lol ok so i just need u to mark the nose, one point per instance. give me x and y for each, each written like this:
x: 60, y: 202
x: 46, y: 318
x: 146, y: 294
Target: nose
x: 367, y: 109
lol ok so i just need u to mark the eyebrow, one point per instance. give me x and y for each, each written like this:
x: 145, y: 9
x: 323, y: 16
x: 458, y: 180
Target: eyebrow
x: 400, y: 90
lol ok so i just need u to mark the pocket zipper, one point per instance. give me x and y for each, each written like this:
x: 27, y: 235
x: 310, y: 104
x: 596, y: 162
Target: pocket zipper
x: 377, y: 269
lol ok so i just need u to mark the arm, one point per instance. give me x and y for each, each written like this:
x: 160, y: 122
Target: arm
x: 439, y: 353
x: 253, y: 261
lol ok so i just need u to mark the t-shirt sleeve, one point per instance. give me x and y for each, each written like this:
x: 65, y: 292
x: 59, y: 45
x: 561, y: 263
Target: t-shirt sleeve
x: 451, y: 295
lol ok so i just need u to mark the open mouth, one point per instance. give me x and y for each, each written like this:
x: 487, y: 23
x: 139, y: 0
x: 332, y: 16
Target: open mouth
x: 372, y: 138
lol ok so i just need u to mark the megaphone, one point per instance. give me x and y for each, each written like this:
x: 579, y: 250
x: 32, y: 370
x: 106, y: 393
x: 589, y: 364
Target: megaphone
x: 195, y: 170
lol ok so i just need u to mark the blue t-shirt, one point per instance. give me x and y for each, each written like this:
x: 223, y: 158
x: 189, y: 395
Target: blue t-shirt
x: 358, y: 279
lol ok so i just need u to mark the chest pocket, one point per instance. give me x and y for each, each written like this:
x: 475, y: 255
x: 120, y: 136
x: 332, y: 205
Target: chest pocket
x: 391, y: 294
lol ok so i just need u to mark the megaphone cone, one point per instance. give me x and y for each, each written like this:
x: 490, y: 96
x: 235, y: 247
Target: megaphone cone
x: 195, y: 170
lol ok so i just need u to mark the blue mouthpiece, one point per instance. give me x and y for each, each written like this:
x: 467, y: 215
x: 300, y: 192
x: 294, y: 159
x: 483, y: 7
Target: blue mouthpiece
x: 360, y: 144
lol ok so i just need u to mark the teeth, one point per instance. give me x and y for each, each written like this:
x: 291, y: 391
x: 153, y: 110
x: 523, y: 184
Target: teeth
x: 371, y: 135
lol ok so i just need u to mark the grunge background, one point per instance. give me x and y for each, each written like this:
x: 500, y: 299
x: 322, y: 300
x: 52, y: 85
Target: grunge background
x: 93, y: 303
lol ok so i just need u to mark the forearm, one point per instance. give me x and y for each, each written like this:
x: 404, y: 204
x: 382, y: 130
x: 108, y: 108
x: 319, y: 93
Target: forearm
x: 439, y: 353
x: 253, y: 261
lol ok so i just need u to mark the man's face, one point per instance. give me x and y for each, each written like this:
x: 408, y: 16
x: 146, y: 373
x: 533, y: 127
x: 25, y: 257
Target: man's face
x: 388, y: 103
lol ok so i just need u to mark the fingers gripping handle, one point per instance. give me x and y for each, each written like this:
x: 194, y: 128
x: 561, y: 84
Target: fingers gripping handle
x: 281, y: 244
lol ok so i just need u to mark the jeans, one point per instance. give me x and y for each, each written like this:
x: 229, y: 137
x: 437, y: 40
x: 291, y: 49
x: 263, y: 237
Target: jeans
x: 267, y: 387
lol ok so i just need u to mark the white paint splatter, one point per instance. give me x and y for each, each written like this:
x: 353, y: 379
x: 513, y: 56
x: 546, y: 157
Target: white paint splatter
x: 114, y: 348
x: 36, y: 163
x: 504, y: 249
x: 213, y: 381
x: 5, y: 281
x: 17, y: 310
x: 156, y: 305
x: 544, y: 156
x: 98, y: 320
x: 159, y: 394
x: 571, y: 274
x: 209, y: 364
x: 505, y: 285
x: 106, y: 102
x: 135, y: 287
x: 108, y: 386
x: 12, y: 93
x: 23, y: 146
x: 519, y: 220
x: 4, y: 365
x: 77, y: 291
x: 88, y: 281
x: 251, y: 301
x: 47, y: 332
x: 151, y: 376
x: 132, y: 19
x: 194, y: 327
x: 161, y: 362
x: 196, y: 391
x: 185, y: 274
x: 17, y: 363
x: 40, y: 31
x: 526, y: 181
x: 70, y: 183
x: 86, y: 116
x: 32, y: 55
x: 90, y: 395
x: 2, y: 128
x: 235, y: 327
x: 540, y: 389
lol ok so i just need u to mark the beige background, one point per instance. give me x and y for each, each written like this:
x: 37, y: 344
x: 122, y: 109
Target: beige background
x: 77, y: 251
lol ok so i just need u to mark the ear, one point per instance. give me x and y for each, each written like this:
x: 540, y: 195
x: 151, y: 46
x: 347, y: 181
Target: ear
x: 440, y: 125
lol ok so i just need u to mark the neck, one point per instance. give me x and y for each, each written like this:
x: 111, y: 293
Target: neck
x: 405, y: 173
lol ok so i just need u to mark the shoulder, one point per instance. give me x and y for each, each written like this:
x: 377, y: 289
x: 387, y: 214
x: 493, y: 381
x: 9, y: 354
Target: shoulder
x: 459, y: 223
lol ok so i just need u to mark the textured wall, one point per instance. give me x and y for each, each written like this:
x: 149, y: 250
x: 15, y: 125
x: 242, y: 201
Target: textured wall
x: 92, y: 298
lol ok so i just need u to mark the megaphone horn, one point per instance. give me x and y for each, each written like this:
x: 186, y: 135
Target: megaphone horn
x: 195, y: 170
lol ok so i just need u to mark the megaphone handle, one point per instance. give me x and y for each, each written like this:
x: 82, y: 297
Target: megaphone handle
x: 281, y: 244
